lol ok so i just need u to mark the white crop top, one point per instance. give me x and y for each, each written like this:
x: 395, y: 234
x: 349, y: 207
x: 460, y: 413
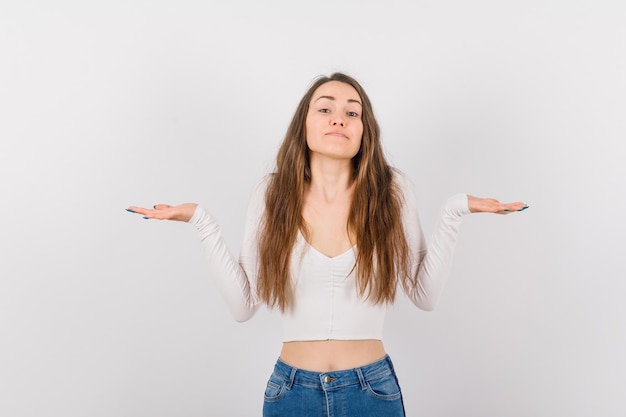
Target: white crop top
x: 326, y: 303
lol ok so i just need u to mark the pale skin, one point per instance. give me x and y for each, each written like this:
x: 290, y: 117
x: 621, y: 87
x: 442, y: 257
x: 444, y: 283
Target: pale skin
x: 334, y: 130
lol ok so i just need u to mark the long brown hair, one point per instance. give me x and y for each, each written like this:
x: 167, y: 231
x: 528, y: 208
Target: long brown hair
x: 375, y: 214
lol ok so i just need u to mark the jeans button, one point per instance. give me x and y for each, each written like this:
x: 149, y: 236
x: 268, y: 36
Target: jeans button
x: 327, y: 379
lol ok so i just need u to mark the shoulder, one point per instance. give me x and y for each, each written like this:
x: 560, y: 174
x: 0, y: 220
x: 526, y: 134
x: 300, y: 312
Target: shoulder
x: 262, y: 184
x: 402, y: 181
x: 257, y: 194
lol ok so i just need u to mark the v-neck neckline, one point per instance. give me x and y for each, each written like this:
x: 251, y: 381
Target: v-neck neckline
x: 322, y: 254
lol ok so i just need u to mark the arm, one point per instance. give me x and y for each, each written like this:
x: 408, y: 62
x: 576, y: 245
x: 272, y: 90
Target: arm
x: 430, y: 264
x: 235, y: 280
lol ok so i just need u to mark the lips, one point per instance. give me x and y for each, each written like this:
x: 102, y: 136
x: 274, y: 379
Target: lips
x: 338, y: 134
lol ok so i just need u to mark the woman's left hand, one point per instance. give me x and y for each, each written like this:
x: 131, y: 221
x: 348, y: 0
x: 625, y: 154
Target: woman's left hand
x: 491, y: 205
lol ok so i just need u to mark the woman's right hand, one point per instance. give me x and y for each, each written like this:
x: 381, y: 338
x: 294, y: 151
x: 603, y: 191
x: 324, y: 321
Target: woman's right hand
x: 181, y: 213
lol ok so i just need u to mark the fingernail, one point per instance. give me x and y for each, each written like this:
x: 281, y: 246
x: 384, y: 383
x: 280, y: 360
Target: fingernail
x: 506, y: 210
x: 523, y: 208
x: 154, y: 207
x: 146, y: 218
x: 132, y: 211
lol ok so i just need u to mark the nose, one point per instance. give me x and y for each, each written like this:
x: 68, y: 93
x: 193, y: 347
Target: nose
x: 337, y: 120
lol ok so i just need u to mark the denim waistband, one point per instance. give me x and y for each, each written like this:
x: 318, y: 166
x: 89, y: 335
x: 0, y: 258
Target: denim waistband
x: 332, y: 379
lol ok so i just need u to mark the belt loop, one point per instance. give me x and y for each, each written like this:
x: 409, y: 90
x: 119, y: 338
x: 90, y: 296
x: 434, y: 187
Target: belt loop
x: 291, y: 378
x: 389, y: 363
x: 361, y: 379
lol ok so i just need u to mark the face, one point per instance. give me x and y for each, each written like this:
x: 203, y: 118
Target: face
x: 333, y: 123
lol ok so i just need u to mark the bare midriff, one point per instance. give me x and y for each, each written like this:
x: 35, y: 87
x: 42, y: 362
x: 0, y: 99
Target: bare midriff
x: 331, y: 355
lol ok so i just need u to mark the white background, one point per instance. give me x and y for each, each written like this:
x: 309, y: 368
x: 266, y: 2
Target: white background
x: 109, y: 104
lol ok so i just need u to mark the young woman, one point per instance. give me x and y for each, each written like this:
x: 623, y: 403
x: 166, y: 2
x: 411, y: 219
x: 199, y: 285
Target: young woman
x: 330, y: 236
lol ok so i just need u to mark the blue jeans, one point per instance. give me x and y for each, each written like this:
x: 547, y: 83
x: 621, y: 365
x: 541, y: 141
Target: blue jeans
x: 370, y: 390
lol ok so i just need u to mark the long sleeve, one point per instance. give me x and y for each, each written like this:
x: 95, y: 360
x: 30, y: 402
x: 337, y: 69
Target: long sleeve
x: 236, y: 280
x: 430, y: 261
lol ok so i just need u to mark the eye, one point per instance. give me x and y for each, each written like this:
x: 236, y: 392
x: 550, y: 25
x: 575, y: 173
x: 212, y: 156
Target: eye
x: 324, y: 111
x: 353, y: 114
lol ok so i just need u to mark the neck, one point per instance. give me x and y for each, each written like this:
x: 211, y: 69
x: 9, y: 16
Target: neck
x: 330, y: 178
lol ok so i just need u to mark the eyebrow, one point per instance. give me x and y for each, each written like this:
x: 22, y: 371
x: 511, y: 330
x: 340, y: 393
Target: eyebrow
x: 333, y: 99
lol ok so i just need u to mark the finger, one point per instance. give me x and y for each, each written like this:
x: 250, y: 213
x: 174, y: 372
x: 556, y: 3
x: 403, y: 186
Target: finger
x: 149, y: 213
x: 138, y: 210
x: 513, y: 207
x: 161, y: 206
x: 160, y: 215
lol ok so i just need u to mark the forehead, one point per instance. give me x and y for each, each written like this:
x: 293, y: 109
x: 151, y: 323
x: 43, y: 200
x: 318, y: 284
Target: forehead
x: 338, y: 90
